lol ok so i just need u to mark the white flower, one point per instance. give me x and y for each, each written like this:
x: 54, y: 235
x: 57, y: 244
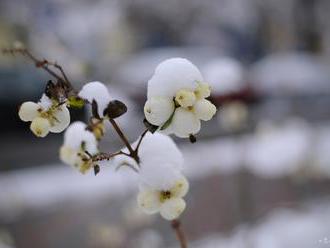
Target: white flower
x: 46, y: 116
x: 160, y: 174
x: 176, y: 98
x: 167, y: 201
x: 79, y: 144
x: 96, y: 91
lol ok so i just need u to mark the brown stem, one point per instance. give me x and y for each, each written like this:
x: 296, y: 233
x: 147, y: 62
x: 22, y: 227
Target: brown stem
x: 107, y: 156
x: 176, y: 225
x: 124, y: 139
x: 42, y: 64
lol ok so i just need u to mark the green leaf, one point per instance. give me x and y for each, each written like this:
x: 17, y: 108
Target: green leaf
x: 76, y: 102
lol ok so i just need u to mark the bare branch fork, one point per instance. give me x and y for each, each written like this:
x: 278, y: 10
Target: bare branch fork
x: 133, y: 153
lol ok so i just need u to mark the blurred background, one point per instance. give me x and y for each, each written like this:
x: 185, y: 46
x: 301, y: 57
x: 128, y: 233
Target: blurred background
x: 260, y: 170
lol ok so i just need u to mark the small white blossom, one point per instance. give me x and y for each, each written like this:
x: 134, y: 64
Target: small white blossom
x: 167, y: 201
x: 178, y: 81
x: 78, y: 145
x: 160, y: 174
x: 46, y: 116
x: 96, y: 91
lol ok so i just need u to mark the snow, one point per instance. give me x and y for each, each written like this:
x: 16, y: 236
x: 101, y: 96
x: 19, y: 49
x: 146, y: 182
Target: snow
x: 76, y: 134
x: 96, y: 91
x: 45, y: 102
x: 160, y: 159
x: 172, y: 75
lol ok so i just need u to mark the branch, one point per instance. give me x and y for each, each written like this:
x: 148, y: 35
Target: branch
x: 106, y: 156
x: 176, y: 225
x: 124, y: 139
x: 42, y: 64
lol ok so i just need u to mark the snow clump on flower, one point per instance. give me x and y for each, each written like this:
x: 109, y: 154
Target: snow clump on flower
x: 79, y: 144
x: 46, y: 116
x: 162, y: 185
x: 98, y: 92
x: 176, y: 98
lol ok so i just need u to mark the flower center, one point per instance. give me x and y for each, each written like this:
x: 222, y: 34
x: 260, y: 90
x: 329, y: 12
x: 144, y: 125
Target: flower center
x: 165, y: 195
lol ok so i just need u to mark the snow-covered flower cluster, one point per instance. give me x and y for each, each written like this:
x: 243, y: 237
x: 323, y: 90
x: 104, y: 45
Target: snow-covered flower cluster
x: 79, y: 145
x: 48, y: 115
x: 162, y: 184
x: 176, y: 104
x: 176, y: 98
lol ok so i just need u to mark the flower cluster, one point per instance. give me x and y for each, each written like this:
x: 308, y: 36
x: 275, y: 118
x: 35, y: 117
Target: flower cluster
x: 48, y: 115
x: 176, y: 104
x: 79, y: 146
x: 176, y: 98
x: 162, y: 184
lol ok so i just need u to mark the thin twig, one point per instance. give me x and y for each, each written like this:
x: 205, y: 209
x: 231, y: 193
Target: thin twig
x: 60, y: 68
x: 42, y: 64
x: 176, y: 225
x: 123, y: 138
x: 107, y: 156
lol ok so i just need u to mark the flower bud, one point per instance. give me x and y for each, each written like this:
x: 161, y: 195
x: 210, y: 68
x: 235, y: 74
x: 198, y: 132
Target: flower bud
x: 115, y: 109
x: 40, y: 126
x: 185, y: 98
x: 158, y: 110
x: 28, y: 111
x: 204, y: 110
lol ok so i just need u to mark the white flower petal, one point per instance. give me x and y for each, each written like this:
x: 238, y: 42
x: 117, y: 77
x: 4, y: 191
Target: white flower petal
x: 172, y: 208
x: 61, y: 119
x: 185, y: 123
x: 40, y: 126
x: 149, y: 201
x: 172, y: 75
x: 96, y: 91
x: 158, y: 110
x: 28, y: 111
x: 204, y: 110
x: 181, y: 187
